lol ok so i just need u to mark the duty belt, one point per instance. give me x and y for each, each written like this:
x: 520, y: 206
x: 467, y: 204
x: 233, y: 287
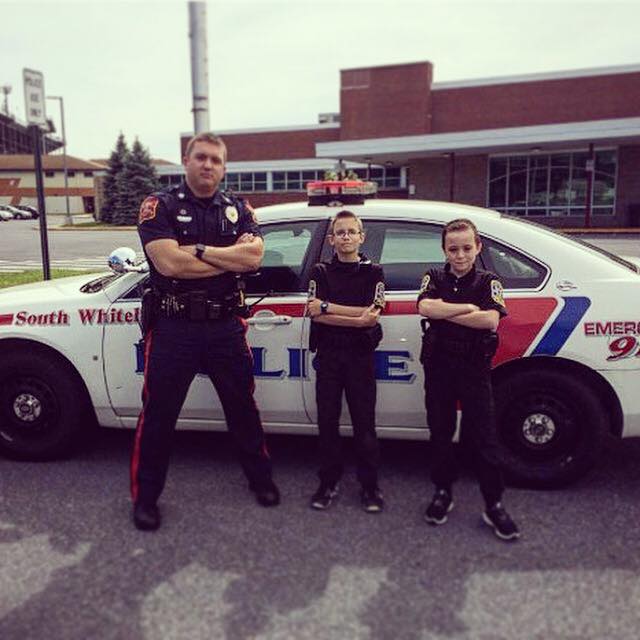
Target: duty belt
x: 196, y: 306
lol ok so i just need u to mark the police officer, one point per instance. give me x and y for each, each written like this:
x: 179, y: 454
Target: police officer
x: 345, y: 300
x: 196, y: 239
x: 463, y: 305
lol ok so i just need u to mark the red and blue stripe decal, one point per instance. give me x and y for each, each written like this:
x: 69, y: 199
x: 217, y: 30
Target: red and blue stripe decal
x: 567, y: 320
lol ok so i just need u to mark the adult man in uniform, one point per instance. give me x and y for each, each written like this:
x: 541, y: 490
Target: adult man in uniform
x: 196, y: 239
x: 463, y: 305
x: 345, y: 300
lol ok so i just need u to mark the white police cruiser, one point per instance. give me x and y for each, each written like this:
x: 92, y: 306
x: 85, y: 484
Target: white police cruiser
x: 566, y: 373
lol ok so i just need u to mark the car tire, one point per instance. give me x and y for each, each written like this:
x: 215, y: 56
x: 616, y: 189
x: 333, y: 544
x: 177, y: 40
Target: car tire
x: 550, y: 425
x: 42, y: 406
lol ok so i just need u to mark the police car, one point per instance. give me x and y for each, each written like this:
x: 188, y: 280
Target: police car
x: 566, y: 374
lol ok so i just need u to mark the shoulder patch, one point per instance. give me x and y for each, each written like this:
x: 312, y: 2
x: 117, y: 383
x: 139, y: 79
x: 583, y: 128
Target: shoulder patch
x: 497, y: 292
x: 313, y: 290
x: 425, y: 283
x: 378, y: 299
x: 148, y: 209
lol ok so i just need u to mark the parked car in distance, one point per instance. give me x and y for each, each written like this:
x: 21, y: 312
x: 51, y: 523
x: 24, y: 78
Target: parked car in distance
x: 9, y: 212
x: 27, y: 211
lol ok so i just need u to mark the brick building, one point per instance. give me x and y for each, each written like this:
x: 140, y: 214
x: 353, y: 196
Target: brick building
x: 562, y: 148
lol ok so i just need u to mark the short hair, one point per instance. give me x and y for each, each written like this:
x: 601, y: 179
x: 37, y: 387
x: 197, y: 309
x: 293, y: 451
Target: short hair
x: 206, y: 136
x: 341, y: 215
x: 460, y: 224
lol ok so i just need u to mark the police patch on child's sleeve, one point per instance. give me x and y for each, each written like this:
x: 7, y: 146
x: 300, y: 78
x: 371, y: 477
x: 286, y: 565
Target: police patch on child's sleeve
x: 425, y: 283
x: 497, y: 292
x: 148, y: 209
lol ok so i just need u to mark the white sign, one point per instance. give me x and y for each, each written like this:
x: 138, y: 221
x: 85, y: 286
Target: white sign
x: 34, y: 96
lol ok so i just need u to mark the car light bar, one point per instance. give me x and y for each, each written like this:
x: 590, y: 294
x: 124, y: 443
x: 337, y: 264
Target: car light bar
x: 340, y: 192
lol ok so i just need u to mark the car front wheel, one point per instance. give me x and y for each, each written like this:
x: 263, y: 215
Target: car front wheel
x: 42, y: 406
x: 551, y: 425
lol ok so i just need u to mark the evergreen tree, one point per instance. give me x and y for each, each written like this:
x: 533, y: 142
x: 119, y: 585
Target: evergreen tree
x: 136, y: 181
x: 116, y: 166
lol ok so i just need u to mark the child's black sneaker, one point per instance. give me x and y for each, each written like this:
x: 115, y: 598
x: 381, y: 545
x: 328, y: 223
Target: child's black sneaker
x: 440, y: 506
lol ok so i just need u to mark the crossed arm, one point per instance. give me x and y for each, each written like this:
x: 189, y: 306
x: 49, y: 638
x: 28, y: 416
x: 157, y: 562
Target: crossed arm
x: 175, y: 261
x: 465, y: 314
x: 340, y: 315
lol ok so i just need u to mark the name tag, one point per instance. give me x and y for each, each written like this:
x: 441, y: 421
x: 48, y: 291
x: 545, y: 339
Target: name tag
x: 184, y: 218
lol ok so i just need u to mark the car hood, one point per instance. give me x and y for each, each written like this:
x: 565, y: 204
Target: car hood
x: 61, y: 289
x: 635, y: 260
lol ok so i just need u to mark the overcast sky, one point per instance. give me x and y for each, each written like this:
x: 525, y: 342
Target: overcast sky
x: 124, y: 66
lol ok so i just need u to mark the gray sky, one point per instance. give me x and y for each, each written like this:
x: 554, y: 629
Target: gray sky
x: 124, y: 66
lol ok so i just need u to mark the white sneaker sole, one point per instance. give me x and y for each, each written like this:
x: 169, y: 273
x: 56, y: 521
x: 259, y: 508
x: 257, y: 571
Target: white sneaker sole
x: 319, y: 506
x: 442, y: 520
x: 502, y: 536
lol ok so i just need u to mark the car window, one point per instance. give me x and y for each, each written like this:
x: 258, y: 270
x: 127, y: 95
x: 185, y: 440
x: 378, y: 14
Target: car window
x: 404, y: 249
x: 516, y: 270
x: 286, y: 245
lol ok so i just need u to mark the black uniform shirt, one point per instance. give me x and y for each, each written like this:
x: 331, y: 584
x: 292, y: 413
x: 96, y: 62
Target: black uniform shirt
x: 353, y: 284
x: 478, y: 287
x: 176, y: 213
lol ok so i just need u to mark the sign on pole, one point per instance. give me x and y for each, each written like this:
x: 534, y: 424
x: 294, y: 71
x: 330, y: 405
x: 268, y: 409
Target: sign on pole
x: 37, y: 118
x: 34, y: 97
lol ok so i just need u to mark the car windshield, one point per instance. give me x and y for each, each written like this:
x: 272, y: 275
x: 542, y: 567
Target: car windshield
x: 100, y: 283
x: 579, y: 241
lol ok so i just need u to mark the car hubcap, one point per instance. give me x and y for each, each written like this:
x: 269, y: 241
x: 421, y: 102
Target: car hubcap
x: 538, y: 429
x: 27, y: 408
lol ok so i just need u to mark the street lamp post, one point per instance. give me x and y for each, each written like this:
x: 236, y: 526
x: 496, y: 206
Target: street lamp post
x: 69, y: 219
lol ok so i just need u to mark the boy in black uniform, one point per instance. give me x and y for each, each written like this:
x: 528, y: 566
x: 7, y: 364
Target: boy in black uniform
x: 345, y: 300
x: 464, y: 306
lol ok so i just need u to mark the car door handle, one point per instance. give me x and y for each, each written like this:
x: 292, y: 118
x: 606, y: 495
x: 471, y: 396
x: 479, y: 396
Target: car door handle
x: 269, y: 320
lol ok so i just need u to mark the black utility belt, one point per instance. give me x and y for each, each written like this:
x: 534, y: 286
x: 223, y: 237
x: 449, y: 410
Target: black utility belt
x: 196, y: 306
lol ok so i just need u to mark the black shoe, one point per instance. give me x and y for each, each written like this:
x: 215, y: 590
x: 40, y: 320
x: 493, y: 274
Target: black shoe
x: 146, y: 517
x: 503, y: 526
x: 324, y: 496
x: 440, y: 506
x: 371, y: 499
x: 267, y: 494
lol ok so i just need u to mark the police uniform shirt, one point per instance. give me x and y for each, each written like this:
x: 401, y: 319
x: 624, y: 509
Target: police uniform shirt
x: 177, y: 214
x: 353, y: 284
x: 478, y: 287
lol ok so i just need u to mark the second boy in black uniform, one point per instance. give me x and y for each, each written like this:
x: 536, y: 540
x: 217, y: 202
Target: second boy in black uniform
x: 463, y: 305
x: 345, y: 300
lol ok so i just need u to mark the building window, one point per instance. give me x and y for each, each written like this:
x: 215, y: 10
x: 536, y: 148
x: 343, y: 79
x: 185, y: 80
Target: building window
x: 552, y: 184
x: 49, y: 174
x: 87, y: 174
x: 71, y: 174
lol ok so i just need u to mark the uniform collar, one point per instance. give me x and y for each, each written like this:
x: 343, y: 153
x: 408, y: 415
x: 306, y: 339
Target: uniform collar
x: 467, y: 277
x: 184, y: 193
x: 362, y: 260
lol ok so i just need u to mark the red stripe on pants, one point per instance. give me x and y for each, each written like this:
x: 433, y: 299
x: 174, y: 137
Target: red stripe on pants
x: 135, y: 456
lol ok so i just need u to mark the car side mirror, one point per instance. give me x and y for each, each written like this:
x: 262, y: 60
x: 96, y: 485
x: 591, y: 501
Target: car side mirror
x: 124, y: 260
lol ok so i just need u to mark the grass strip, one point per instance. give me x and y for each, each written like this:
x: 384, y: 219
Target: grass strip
x: 35, y: 275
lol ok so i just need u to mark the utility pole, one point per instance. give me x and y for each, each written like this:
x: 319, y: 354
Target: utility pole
x: 68, y: 218
x: 199, y: 65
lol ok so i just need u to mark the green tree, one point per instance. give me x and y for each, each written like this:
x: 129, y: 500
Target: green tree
x: 111, y: 182
x: 135, y: 182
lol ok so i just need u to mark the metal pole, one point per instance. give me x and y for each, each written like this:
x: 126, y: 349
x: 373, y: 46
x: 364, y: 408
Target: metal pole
x: 199, y: 65
x: 452, y: 176
x: 68, y: 218
x: 44, y: 241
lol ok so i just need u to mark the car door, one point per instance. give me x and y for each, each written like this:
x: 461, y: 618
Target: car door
x: 277, y: 296
x: 405, y: 249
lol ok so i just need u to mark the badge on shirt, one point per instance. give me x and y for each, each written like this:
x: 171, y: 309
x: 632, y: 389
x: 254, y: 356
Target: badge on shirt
x: 232, y: 214
x: 497, y: 292
x: 425, y: 283
x: 313, y: 290
x: 148, y: 209
x: 378, y: 298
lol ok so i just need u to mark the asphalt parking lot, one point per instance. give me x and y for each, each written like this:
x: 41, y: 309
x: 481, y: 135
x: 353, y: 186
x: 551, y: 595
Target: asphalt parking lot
x: 73, y: 567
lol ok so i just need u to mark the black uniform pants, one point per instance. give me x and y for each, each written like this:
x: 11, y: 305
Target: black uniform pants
x: 175, y: 351
x: 449, y: 379
x: 351, y: 372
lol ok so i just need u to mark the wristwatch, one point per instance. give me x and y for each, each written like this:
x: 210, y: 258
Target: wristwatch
x: 324, y: 307
x: 200, y: 250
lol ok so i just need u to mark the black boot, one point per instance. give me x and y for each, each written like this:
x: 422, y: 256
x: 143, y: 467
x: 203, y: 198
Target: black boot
x: 146, y: 517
